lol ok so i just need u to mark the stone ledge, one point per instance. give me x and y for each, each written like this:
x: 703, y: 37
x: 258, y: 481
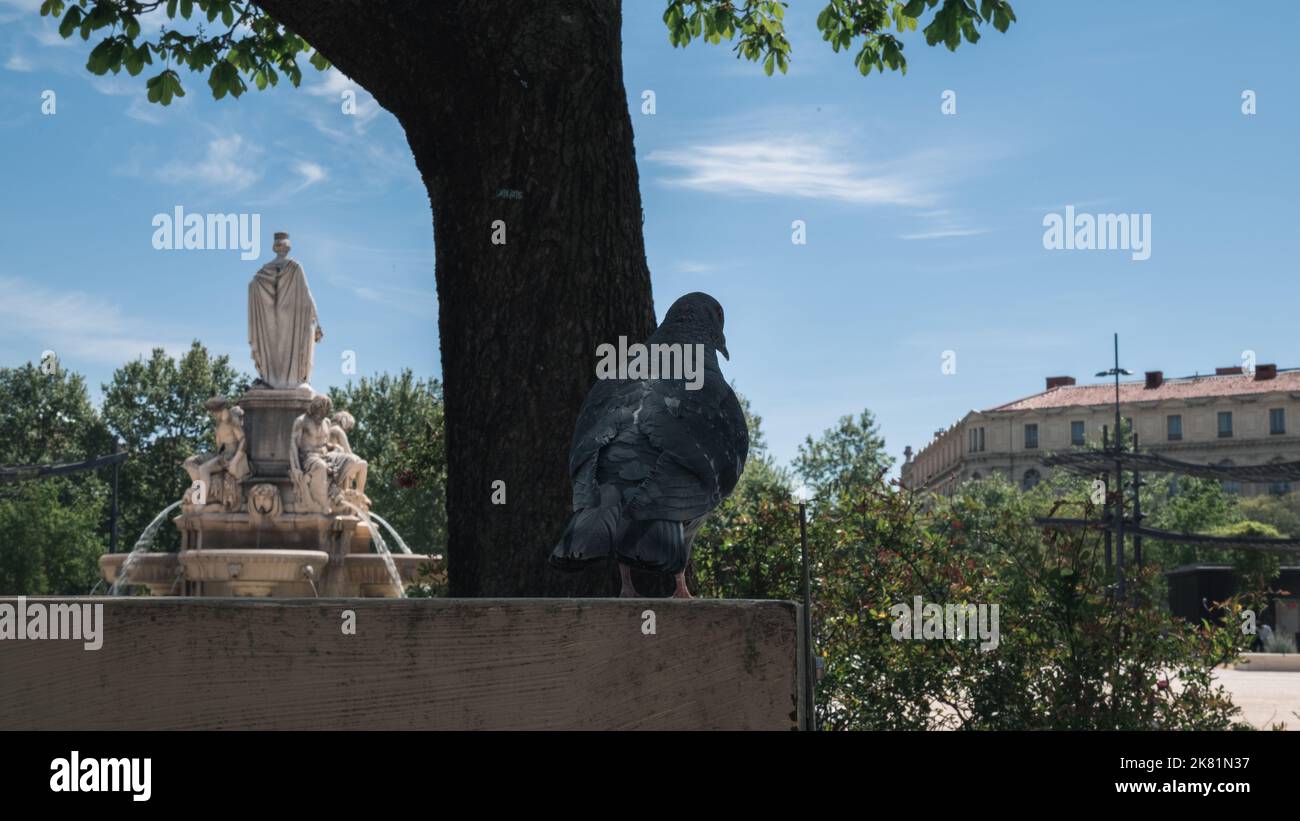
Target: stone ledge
x: 1270, y: 662
x: 413, y: 664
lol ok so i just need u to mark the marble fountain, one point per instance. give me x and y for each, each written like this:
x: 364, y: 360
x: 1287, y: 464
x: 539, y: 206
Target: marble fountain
x: 278, y: 506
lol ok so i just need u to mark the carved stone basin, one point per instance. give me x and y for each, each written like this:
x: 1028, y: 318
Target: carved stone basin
x: 252, y: 572
x: 371, y: 572
x: 157, y: 571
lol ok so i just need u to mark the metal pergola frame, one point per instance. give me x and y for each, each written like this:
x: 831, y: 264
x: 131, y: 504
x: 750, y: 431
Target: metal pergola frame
x: 23, y: 473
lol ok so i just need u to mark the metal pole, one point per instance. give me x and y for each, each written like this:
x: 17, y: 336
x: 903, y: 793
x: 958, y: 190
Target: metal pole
x: 1105, y: 477
x: 1137, y: 508
x: 112, y: 517
x: 1119, y: 482
x: 809, y: 662
x: 1119, y: 428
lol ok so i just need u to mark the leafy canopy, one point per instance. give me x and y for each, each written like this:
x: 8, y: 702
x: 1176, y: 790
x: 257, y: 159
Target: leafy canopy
x: 868, y: 23
x: 236, y: 43
x: 246, y: 44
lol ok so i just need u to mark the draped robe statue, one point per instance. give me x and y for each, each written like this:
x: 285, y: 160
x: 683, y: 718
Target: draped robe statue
x: 282, y: 325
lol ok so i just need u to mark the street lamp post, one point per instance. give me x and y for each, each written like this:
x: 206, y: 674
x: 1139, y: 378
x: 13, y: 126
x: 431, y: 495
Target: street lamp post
x: 1118, y: 441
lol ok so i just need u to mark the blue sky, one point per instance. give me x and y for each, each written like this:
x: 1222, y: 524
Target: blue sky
x: 924, y: 231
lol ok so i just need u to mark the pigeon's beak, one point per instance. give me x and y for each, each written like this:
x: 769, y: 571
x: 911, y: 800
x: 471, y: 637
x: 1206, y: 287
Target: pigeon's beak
x: 722, y: 347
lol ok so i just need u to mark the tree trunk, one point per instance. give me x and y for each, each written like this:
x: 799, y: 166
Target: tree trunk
x: 518, y: 120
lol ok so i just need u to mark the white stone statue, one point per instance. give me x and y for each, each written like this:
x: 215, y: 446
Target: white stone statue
x: 354, y: 476
x: 321, y: 470
x: 282, y: 324
x: 216, y: 475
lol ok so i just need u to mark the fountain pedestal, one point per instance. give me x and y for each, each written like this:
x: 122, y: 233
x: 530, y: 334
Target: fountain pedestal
x: 268, y: 424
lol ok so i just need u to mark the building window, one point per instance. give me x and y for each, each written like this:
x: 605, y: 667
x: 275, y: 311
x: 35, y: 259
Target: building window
x: 1077, y: 433
x: 977, y: 440
x: 1229, y: 485
x: 1278, y: 488
x: 1225, y: 424
x: 1030, y: 479
x: 1031, y: 437
x: 1277, y: 421
x: 1174, y: 427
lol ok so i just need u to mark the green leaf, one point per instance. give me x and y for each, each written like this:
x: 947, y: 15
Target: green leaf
x: 769, y: 63
x: 133, y: 60
x: 98, y: 62
x: 154, y: 86
x: 219, y: 79
x: 70, y: 22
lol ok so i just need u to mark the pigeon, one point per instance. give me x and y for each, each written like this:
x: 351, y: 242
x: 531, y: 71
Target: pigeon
x: 652, y: 456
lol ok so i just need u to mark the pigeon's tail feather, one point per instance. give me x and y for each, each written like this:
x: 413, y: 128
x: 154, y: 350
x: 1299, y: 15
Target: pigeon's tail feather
x: 591, y: 534
x: 653, y: 544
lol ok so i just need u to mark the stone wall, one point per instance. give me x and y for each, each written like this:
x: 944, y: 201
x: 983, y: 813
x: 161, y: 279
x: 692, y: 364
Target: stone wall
x: 412, y: 664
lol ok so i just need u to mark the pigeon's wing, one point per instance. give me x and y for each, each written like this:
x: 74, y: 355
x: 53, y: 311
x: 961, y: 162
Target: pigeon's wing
x: 737, y: 441
x: 610, y: 406
x: 702, y: 442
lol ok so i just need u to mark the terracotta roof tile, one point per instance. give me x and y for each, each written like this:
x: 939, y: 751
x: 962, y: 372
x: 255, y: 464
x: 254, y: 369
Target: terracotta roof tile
x: 1187, y: 387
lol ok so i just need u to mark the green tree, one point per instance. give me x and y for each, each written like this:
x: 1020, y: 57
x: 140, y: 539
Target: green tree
x: 400, y: 433
x: 743, y: 549
x: 1282, y: 512
x: 849, y: 455
x: 54, y: 534
x: 485, y: 92
x: 155, y: 407
x: 54, y: 528
x: 1069, y: 656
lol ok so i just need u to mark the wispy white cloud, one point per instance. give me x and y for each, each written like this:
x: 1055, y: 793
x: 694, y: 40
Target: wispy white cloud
x: 945, y: 233
x: 414, y: 301
x: 331, y: 86
x: 111, y: 85
x: 692, y: 266
x: 11, y: 10
x: 75, y: 325
x: 1077, y: 204
x: 229, y: 164
x: 49, y: 36
x: 310, y: 172
x: 805, y: 166
x: 144, y: 111
x: 18, y: 62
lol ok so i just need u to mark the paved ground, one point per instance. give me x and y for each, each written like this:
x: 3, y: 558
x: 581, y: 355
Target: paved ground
x: 1264, y: 698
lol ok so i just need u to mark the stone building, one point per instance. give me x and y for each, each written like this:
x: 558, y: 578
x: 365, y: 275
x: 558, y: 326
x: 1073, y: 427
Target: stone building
x: 1228, y: 418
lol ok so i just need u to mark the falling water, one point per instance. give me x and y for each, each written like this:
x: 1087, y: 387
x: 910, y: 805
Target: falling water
x: 142, y: 545
x: 310, y: 576
x: 381, y: 548
x: 401, y: 545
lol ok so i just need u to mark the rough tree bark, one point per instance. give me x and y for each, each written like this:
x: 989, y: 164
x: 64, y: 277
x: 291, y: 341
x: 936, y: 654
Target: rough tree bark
x: 515, y: 111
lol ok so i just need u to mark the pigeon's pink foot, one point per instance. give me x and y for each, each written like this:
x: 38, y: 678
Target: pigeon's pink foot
x: 627, y: 591
x: 681, y: 592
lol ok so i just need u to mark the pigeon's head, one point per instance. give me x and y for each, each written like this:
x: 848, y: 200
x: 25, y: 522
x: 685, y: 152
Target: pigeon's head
x: 698, y: 317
